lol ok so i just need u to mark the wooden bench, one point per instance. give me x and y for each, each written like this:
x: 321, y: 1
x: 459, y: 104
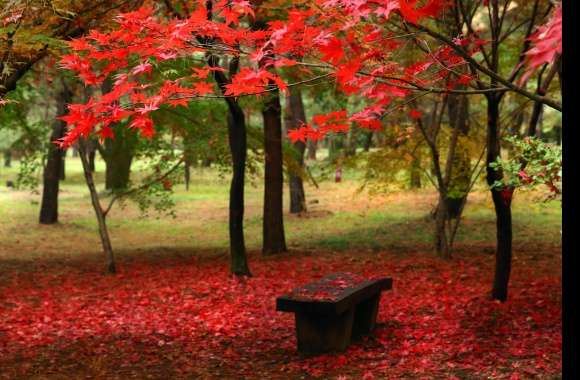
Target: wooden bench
x: 334, y: 310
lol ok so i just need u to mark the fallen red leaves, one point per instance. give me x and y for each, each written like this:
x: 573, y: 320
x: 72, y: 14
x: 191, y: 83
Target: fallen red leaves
x: 188, y: 318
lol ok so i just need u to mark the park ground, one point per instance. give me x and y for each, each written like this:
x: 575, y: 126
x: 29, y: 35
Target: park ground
x: 173, y: 312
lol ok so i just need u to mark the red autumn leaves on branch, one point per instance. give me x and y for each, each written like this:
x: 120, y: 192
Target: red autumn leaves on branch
x: 346, y: 39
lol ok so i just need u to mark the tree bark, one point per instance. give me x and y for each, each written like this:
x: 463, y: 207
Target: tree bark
x: 415, y: 174
x: 62, y: 174
x: 237, y: 139
x: 312, y: 145
x: 238, y: 147
x: 53, y: 166
x: 99, y: 213
x: 187, y: 174
x: 295, y: 117
x: 91, y: 155
x: 458, y: 111
x: 118, y: 153
x: 502, y: 204
x: 273, y: 222
x: 442, y: 248
x: 368, y: 140
x: 8, y: 158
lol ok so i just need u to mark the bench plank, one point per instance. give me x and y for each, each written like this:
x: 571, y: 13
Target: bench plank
x: 316, y: 297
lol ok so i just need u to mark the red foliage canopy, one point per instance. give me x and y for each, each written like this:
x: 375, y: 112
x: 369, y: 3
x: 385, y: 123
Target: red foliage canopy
x: 351, y: 40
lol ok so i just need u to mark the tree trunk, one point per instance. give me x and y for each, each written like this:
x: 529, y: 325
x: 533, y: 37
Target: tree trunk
x: 187, y: 174
x: 458, y: 111
x: 273, y: 221
x: 101, y: 217
x: 368, y: 140
x: 502, y: 204
x: 8, y: 158
x: 91, y: 155
x: 62, y: 174
x: 415, y: 173
x: 351, y: 142
x: 118, y: 153
x: 238, y: 147
x: 312, y: 145
x: 52, y: 168
x: 295, y: 117
x: 237, y: 139
x: 442, y: 248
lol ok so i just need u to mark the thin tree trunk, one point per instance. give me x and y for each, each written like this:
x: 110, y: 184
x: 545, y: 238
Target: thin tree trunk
x: 311, y: 146
x: 187, y: 174
x: 99, y: 213
x: 458, y: 112
x: 237, y: 139
x: 118, y: 153
x: 351, y: 142
x: 273, y: 222
x: 92, y: 153
x: 8, y: 158
x: 368, y: 140
x: 238, y: 147
x: 415, y: 173
x: 502, y: 204
x: 53, y: 166
x: 441, y: 243
x: 295, y: 116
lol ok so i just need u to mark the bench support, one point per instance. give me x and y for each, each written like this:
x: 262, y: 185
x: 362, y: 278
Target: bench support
x: 365, y: 317
x: 318, y: 333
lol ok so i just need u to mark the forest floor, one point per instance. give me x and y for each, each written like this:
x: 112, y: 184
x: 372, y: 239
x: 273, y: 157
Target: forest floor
x: 173, y: 312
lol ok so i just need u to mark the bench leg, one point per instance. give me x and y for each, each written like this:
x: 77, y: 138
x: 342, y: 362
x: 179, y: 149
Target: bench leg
x: 365, y: 317
x: 319, y: 333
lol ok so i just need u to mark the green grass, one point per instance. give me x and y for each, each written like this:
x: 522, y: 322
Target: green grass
x: 342, y: 219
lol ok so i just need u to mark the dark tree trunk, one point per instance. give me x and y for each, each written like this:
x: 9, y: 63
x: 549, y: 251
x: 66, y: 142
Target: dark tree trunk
x: 311, y: 152
x: 415, y: 173
x: 458, y: 110
x: 118, y: 153
x: 99, y: 213
x: 502, y: 204
x: 295, y: 117
x: 52, y: 168
x: 187, y: 174
x: 62, y: 174
x: 459, y: 180
x: 8, y: 158
x: 368, y: 140
x: 442, y: 248
x: 91, y: 155
x: 237, y: 139
x: 238, y: 147
x: 273, y: 222
x: 351, y: 142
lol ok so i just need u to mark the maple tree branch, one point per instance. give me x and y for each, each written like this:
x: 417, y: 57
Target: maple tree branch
x: 412, y: 85
x: 142, y: 187
x: 469, y: 23
x: 494, y: 76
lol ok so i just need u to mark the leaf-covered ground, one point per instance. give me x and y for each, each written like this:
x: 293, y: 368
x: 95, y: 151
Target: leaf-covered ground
x: 185, y: 318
